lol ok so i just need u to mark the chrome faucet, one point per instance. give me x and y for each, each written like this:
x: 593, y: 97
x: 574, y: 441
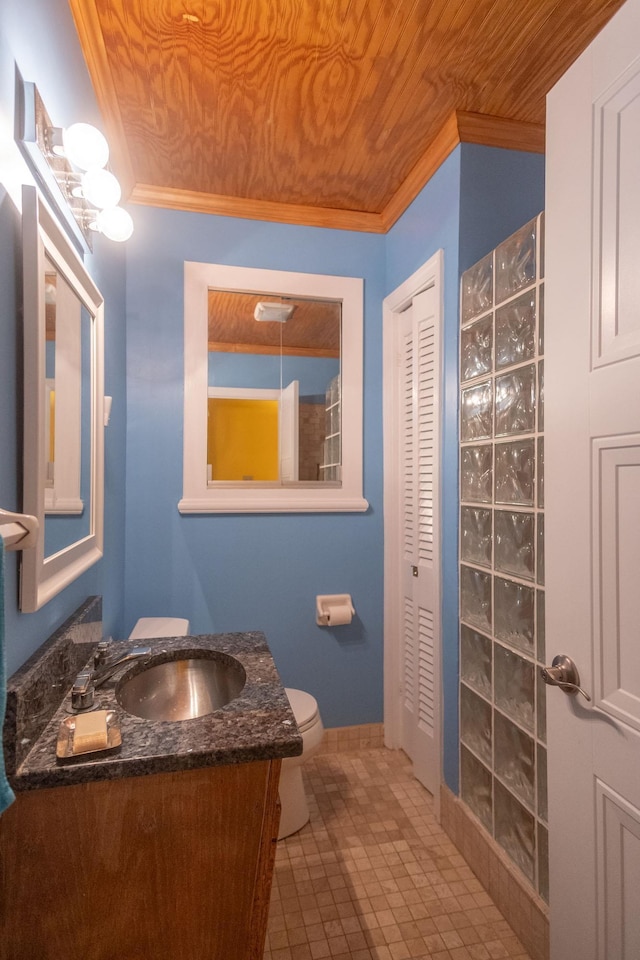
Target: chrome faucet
x: 85, y: 684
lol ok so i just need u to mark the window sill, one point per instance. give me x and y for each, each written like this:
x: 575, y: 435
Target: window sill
x: 298, y: 501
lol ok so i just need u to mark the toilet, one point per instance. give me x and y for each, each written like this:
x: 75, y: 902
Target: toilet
x: 147, y: 628
x: 293, y: 801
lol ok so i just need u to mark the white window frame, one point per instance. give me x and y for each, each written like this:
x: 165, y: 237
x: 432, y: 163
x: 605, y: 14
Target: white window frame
x: 301, y: 496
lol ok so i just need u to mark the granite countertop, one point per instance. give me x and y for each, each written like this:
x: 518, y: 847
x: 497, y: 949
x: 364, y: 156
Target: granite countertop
x: 257, y: 725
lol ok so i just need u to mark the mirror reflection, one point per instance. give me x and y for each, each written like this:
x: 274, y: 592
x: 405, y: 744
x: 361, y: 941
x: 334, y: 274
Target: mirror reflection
x: 62, y: 483
x: 273, y: 400
x: 67, y: 413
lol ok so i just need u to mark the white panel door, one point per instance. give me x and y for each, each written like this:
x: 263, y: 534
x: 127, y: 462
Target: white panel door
x: 592, y: 480
x: 289, y: 431
x: 419, y: 356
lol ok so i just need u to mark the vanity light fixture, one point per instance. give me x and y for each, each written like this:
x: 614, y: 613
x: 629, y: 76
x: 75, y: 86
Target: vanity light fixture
x: 114, y: 222
x: 82, y: 144
x: 99, y: 187
x: 70, y: 163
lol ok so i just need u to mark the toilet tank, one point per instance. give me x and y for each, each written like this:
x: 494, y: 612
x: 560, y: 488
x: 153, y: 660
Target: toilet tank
x: 149, y: 627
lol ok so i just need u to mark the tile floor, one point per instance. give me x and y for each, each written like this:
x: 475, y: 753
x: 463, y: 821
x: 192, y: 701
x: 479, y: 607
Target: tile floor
x: 374, y: 877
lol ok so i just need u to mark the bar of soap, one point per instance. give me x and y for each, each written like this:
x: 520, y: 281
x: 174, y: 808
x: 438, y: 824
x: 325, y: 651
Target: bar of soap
x: 84, y: 733
x: 90, y: 732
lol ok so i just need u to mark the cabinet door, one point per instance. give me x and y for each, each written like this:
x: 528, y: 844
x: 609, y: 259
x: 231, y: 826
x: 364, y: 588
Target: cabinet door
x: 174, y: 866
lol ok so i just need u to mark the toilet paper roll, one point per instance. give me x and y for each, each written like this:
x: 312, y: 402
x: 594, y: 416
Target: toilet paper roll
x: 339, y: 613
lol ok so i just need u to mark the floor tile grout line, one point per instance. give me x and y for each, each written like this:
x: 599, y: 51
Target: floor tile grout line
x: 374, y: 877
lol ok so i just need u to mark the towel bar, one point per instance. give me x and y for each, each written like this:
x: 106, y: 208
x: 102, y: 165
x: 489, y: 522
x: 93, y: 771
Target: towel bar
x: 19, y: 530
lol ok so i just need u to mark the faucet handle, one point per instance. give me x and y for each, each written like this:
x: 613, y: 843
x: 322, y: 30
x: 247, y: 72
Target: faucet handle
x: 136, y: 652
x: 101, y: 652
x: 82, y: 691
x: 106, y: 670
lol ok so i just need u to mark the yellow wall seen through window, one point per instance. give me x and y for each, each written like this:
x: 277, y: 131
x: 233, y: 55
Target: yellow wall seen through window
x: 242, y: 441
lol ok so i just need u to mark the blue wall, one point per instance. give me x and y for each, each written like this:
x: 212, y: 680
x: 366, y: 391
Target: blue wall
x: 42, y: 42
x: 244, y: 572
x: 500, y: 191
x: 265, y: 371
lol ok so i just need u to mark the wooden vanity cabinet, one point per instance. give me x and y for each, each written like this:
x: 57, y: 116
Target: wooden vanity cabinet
x: 172, y: 866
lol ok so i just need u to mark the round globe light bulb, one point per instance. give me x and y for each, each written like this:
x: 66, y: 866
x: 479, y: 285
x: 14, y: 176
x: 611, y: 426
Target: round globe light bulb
x: 85, y: 146
x: 100, y: 188
x: 115, y: 223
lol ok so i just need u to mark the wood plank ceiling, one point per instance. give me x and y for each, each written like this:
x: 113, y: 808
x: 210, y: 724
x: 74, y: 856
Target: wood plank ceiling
x: 328, y: 112
x: 313, y: 329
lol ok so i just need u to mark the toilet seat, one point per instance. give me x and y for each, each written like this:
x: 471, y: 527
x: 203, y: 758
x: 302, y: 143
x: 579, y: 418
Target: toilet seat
x: 304, y: 707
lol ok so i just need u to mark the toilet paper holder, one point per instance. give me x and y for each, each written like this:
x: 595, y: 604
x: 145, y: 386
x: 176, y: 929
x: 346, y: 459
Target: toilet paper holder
x: 334, y: 609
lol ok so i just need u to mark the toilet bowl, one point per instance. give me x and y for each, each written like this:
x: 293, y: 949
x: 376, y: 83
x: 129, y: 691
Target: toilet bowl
x: 147, y: 628
x: 295, y: 809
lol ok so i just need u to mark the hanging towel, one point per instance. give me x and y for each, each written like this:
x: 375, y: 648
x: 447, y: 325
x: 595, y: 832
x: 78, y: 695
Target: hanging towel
x: 6, y: 793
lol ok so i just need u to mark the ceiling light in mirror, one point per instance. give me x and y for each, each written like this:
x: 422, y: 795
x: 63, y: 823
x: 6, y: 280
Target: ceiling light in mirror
x: 272, y: 312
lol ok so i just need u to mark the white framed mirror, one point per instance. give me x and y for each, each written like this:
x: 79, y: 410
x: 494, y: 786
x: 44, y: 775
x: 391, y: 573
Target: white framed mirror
x: 63, y: 407
x: 272, y: 391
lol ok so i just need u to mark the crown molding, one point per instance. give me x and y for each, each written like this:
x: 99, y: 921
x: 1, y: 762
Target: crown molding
x: 444, y: 143
x: 301, y: 214
x: 500, y: 132
x: 462, y: 127
x: 459, y: 127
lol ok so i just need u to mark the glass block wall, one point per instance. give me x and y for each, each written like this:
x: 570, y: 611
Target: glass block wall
x: 502, y: 701
x: 330, y: 468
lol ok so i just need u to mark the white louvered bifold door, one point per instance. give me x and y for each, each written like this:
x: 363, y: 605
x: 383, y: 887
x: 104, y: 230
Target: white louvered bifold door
x: 419, y: 358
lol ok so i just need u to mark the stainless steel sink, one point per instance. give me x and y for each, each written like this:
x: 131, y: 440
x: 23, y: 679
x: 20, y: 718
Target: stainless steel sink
x: 181, y: 689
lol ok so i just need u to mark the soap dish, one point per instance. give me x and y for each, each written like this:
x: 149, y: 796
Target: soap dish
x: 109, y: 737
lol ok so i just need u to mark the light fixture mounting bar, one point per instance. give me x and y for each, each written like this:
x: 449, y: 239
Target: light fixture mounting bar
x: 65, y: 176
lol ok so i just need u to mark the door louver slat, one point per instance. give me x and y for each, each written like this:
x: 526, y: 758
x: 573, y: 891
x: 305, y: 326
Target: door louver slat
x: 408, y: 465
x: 425, y: 671
x: 409, y: 654
x: 426, y: 438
